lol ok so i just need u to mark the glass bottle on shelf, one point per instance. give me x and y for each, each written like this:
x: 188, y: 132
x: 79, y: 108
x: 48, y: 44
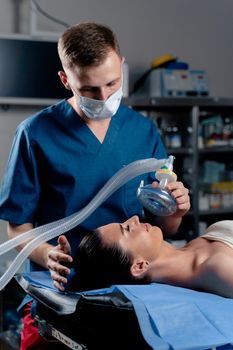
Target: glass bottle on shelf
x: 172, y: 136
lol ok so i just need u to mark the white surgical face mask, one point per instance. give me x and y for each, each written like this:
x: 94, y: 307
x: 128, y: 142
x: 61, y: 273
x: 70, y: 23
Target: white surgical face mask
x: 99, y: 109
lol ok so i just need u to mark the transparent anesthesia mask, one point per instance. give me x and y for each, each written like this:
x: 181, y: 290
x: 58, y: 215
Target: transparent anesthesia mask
x: 159, y: 200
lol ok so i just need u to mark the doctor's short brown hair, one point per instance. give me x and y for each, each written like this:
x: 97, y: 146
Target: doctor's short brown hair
x: 86, y: 44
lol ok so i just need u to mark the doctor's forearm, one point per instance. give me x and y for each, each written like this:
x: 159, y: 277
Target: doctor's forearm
x: 168, y: 224
x: 40, y: 254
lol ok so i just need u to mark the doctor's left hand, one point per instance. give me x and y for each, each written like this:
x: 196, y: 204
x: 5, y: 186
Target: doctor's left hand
x: 181, y: 195
x: 59, y: 259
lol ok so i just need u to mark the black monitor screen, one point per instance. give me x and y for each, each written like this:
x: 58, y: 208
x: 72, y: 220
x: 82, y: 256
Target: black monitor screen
x: 28, y: 70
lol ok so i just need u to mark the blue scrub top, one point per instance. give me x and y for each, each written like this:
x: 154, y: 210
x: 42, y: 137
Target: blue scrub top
x: 57, y: 165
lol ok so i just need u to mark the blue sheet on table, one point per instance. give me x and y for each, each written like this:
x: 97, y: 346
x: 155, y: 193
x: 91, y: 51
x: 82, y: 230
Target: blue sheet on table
x: 172, y: 317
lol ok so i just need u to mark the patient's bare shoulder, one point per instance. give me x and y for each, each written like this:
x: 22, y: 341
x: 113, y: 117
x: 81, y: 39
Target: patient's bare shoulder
x: 215, y: 274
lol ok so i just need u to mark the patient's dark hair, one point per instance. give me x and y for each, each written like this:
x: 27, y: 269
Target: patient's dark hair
x: 99, y: 265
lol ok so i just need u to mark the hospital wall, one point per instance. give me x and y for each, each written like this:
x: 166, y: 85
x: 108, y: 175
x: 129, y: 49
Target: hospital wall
x: 197, y: 32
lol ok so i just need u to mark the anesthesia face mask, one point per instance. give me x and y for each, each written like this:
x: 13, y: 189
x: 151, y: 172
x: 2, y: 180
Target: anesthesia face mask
x: 159, y: 200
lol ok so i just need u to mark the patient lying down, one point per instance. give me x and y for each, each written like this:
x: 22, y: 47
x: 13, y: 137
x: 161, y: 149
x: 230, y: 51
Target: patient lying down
x: 135, y: 253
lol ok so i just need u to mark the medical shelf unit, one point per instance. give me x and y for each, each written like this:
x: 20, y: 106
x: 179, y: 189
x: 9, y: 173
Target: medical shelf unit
x: 199, y: 133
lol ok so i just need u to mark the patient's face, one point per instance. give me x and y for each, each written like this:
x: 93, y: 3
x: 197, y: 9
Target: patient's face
x: 140, y: 239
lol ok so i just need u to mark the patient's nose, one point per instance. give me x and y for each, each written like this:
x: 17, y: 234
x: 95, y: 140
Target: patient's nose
x: 134, y: 220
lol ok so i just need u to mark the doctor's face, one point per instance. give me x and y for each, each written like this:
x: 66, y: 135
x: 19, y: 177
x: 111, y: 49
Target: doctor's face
x: 140, y: 239
x: 96, y: 82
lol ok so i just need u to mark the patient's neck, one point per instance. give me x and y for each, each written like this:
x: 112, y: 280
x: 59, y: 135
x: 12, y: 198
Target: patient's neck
x: 173, y: 266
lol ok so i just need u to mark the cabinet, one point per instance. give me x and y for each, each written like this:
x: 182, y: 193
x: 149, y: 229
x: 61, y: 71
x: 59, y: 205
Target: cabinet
x: 199, y: 133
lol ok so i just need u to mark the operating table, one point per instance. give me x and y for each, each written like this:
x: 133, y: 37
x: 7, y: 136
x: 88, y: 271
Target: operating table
x: 156, y: 316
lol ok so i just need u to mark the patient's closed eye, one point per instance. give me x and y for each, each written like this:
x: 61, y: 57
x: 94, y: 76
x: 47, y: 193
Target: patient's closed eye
x: 127, y: 228
x: 124, y: 228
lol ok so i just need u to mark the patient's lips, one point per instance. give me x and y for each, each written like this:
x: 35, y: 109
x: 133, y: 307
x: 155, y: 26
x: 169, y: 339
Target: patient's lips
x: 147, y: 226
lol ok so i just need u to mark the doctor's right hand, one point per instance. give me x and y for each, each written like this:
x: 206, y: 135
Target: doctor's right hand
x: 58, y: 262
